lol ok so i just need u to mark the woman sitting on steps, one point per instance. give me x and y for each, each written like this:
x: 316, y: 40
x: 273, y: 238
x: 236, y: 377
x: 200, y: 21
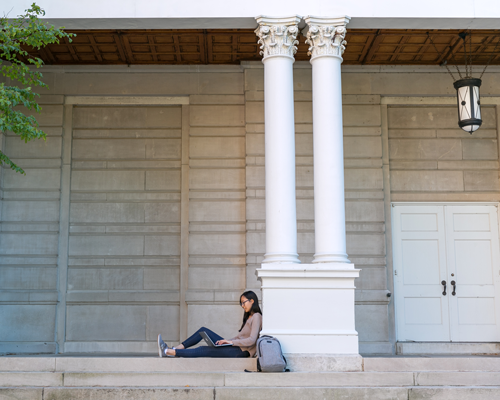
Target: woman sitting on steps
x: 242, y: 345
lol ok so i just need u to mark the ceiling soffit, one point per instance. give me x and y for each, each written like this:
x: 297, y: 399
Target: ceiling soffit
x: 364, y: 47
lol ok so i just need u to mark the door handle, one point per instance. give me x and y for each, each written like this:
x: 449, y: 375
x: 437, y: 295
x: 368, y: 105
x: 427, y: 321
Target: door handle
x: 454, y: 288
x: 444, y: 284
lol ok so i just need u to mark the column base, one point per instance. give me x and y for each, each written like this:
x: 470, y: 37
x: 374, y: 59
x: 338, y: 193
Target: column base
x: 281, y: 258
x: 324, y: 362
x: 330, y: 258
x: 310, y: 307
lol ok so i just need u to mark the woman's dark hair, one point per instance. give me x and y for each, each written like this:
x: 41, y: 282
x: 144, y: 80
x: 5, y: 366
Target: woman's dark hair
x: 255, y: 306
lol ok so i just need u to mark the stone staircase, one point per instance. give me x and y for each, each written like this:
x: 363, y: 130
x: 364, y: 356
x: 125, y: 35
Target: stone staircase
x: 138, y: 378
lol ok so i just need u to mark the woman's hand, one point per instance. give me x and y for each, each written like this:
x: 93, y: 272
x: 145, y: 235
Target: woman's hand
x: 223, y: 341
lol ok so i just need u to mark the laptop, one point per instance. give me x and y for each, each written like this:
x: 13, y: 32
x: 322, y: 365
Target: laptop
x: 210, y: 342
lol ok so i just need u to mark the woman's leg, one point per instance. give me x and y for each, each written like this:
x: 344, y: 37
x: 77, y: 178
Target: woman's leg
x: 196, y: 338
x: 212, y: 352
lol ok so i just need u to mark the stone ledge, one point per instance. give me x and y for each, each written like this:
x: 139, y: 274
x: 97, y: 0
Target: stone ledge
x: 324, y: 363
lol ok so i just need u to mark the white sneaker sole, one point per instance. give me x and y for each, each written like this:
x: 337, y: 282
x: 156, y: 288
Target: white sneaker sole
x: 159, y: 347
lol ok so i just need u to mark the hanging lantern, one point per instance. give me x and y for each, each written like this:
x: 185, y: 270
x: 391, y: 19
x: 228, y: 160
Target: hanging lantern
x: 469, y: 105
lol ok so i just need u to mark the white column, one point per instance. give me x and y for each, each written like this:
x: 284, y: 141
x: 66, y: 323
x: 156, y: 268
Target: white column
x: 325, y: 37
x: 277, y: 37
x: 310, y: 307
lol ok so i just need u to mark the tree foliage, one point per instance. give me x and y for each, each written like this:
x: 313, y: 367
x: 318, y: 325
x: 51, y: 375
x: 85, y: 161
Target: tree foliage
x: 27, y: 31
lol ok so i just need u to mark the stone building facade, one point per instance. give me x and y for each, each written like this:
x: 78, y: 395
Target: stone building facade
x: 144, y: 210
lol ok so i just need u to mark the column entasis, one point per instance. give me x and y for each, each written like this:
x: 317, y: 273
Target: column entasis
x: 277, y: 37
x: 325, y: 37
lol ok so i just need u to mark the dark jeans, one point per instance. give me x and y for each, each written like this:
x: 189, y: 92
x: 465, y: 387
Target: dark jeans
x: 206, y: 351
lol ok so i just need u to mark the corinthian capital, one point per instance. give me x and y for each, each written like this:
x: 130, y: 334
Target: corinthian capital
x: 277, y: 36
x: 325, y: 36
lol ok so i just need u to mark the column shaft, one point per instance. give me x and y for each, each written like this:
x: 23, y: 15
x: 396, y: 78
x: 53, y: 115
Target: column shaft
x: 281, y: 213
x: 329, y: 208
x: 277, y: 37
x: 326, y: 39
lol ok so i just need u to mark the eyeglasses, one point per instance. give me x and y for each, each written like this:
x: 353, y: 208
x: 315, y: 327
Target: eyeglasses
x: 241, y: 304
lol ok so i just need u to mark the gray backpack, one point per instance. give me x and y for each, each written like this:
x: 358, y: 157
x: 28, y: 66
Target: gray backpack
x: 269, y: 355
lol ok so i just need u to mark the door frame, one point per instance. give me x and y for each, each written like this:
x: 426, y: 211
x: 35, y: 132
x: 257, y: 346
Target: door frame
x: 420, y: 204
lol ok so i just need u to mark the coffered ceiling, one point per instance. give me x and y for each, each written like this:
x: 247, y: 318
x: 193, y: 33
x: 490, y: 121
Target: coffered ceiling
x: 364, y: 47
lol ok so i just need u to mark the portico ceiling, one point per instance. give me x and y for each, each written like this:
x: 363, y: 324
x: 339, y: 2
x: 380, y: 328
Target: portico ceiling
x: 364, y: 47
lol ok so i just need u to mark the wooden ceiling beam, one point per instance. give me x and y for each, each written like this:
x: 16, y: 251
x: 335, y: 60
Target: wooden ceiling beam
x: 71, y: 50
x: 120, y: 47
x: 152, y: 47
x: 95, y: 47
x: 211, y: 47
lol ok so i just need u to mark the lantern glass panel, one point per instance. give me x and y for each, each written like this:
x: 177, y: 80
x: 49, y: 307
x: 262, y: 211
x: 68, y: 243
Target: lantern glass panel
x: 464, y: 106
x: 477, y: 107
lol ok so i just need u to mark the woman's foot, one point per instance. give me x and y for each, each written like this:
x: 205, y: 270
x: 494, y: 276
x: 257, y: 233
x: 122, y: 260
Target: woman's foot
x: 162, y: 347
x: 163, y: 350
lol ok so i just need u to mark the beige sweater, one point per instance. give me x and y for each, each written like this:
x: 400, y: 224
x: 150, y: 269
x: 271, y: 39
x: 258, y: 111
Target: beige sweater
x: 247, y: 338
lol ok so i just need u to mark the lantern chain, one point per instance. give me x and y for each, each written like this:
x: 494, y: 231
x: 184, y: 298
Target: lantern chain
x: 445, y: 62
x: 470, y: 54
x: 491, y: 58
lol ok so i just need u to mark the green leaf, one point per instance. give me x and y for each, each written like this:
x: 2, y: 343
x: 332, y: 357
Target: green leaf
x: 16, y: 37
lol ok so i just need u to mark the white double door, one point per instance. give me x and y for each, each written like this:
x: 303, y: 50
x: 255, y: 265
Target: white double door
x: 452, y: 246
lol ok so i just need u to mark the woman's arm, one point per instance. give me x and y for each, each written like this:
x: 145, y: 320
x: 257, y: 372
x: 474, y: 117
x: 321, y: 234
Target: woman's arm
x: 254, y: 333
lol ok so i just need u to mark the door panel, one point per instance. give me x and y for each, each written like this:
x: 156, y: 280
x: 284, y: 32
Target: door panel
x: 472, y: 244
x: 433, y: 243
x: 420, y: 265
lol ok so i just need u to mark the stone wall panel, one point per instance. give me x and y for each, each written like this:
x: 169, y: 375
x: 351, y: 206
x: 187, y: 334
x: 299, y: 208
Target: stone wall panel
x: 217, y: 115
x: 231, y: 244
x: 363, y: 179
x: 210, y: 278
x: 425, y: 149
x: 105, y: 279
x: 15, y: 147
x: 160, y: 180
x: 126, y: 117
x: 480, y: 149
x: 30, y: 211
x: 362, y: 147
x: 106, y: 322
x: 106, y: 212
x: 17, y: 278
x: 28, y: 244
x: 47, y: 179
x: 217, y: 211
x: 167, y: 245
x: 436, y: 181
x: 217, y: 147
x: 107, y: 180
x: 106, y: 245
x: 27, y: 323
x: 217, y: 179
x: 372, y: 322
x: 482, y: 181
x: 157, y: 322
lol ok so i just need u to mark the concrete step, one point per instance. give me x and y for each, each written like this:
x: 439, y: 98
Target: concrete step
x: 125, y: 364
x: 238, y: 379
x: 156, y: 364
x: 409, y: 364
x: 441, y: 348
x: 226, y: 393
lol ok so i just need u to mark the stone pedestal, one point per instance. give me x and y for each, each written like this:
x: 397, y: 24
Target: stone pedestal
x: 310, y: 307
